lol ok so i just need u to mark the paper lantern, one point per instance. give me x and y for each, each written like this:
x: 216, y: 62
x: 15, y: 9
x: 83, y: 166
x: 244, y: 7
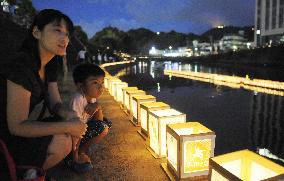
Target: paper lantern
x: 135, y: 106
x: 128, y: 97
x: 244, y: 165
x: 118, y: 94
x: 189, y: 147
x: 124, y: 102
x: 111, y: 83
x: 158, y: 120
x: 145, y: 108
x: 106, y: 81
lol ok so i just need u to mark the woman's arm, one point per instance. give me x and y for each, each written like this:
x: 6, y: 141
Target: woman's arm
x: 18, y: 104
x: 54, y: 96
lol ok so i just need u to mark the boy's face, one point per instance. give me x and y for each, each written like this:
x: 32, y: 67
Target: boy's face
x: 93, y: 87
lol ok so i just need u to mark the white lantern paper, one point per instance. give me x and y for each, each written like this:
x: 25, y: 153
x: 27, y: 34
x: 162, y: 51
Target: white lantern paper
x: 189, y: 147
x: 107, y: 79
x: 118, y: 94
x: 124, y: 102
x: 136, y: 101
x: 128, y: 97
x: 111, y: 83
x: 244, y: 165
x: 158, y: 120
x: 144, y: 114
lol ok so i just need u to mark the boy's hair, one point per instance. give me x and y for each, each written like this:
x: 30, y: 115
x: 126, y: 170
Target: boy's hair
x: 84, y: 71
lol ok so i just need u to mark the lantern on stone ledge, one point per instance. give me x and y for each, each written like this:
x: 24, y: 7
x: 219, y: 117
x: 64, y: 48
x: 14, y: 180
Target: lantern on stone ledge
x: 111, y: 83
x: 189, y: 147
x: 106, y: 80
x: 124, y: 102
x: 128, y: 98
x: 135, y: 106
x: 145, y: 108
x: 244, y: 165
x: 118, y: 94
x: 158, y: 120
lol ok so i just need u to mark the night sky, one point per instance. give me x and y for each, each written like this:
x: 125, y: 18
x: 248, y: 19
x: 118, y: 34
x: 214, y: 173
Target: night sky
x: 196, y: 16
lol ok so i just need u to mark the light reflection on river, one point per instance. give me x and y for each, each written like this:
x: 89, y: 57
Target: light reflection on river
x: 241, y: 119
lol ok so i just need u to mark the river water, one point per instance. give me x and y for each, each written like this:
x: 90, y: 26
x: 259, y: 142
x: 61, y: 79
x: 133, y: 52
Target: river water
x: 241, y: 119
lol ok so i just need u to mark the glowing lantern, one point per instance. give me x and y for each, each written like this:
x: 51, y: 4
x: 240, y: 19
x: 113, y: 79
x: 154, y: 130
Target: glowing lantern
x: 145, y: 108
x: 135, y: 106
x: 129, y: 95
x: 118, y: 94
x: 189, y: 147
x: 124, y: 102
x: 244, y: 165
x: 111, y: 83
x: 106, y: 80
x: 158, y: 120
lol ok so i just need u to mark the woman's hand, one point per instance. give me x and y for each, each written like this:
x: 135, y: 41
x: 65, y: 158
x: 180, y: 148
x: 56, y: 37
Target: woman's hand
x: 77, y: 128
x: 91, y: 108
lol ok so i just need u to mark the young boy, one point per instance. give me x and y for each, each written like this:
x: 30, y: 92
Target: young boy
x: 89, y: 81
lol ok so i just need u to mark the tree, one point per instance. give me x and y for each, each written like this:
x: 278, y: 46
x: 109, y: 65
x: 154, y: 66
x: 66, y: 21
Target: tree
x: 108, y: 37
x: 80, y: 34
x: 24, y: 12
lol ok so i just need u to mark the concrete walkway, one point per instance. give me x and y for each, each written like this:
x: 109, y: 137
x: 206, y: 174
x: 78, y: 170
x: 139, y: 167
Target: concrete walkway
x: 122, y: 155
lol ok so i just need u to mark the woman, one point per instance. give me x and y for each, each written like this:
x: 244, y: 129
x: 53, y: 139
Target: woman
x: 28, y: 80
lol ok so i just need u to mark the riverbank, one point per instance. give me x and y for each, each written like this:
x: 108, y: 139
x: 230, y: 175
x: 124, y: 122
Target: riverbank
x: 262, y: 57
x: 122, y: 155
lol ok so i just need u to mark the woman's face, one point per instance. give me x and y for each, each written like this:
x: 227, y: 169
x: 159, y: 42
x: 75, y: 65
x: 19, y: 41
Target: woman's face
x: 53, y: 39
x: 93, y: 86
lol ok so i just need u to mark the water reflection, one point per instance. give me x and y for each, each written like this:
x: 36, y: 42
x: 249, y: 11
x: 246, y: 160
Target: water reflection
x: 266, y: 123
x: 240, y: 118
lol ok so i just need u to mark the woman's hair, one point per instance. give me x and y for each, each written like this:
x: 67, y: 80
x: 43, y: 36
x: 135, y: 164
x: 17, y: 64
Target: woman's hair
x: 43, y: 18
x: 83, y: 71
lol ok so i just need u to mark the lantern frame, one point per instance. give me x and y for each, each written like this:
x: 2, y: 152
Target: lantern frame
x: 118, y: 93
x: 136, y: 102
x: 197, y: 135
x: 158, y: 122
x: 128, y: 99
x: 124, y: 96
x: 146, y: 108
x: 106, y: 81
x: 244, y: 158
x: 111, y: 83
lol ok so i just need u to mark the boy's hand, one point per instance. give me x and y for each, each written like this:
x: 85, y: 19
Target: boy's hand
x: 91, y: 108
x: 98, y: 115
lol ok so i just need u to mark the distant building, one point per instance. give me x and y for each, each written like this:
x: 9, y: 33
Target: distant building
x: 5, y: 6
x: 180, y: 52
x: 269, y: 22
x: 203, y: 49
x: 232, y: 42
x: 155, y: 52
